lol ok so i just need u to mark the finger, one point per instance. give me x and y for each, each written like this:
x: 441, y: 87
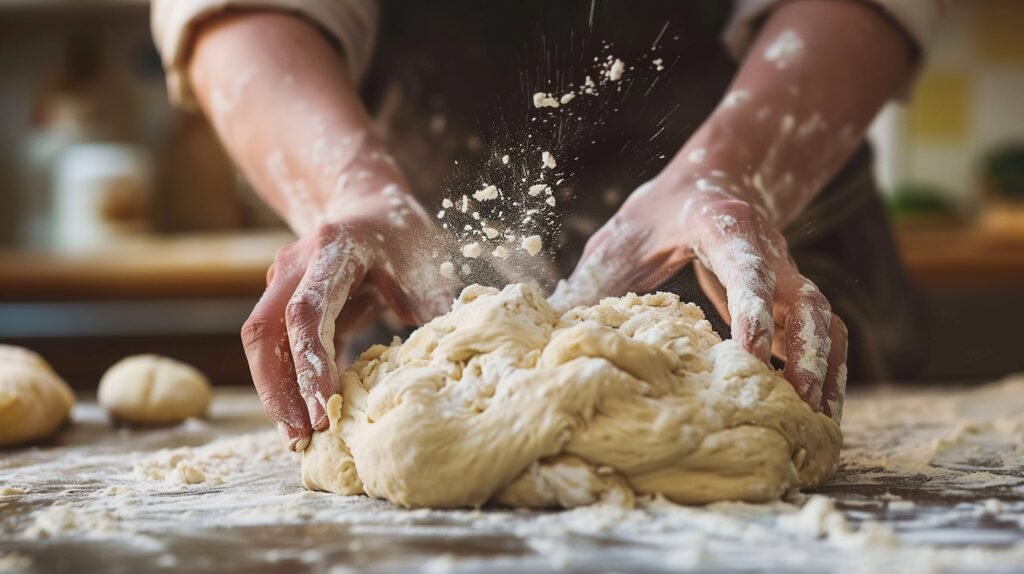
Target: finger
x: 834, y: 388
x: 713, y: 289
x: 265, y: 340
x: 312, y: 311
x: 414, y: 288
x: 807, y: 342
x: 618, y: 258
x: 806, y: 315
x: 734, y: 254
x: 363, y: 308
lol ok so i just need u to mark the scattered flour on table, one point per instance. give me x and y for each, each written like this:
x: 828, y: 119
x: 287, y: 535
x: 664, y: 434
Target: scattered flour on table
x: 212, y: 464
x: 61, y: 519
x: 12, y: 562
x: 913, y: 442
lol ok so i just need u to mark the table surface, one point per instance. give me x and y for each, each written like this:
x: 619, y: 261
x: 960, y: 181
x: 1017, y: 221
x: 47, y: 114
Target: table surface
x: 930, y: 479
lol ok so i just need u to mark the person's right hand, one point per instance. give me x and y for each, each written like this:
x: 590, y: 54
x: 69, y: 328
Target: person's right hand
x: 329, y: 283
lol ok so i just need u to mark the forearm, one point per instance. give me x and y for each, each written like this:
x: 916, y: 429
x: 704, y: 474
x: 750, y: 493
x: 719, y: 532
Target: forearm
x: 281, y: 99
x: 809, y: 86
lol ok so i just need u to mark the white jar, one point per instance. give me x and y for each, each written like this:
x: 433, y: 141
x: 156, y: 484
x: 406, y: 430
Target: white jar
x: 101, y: 193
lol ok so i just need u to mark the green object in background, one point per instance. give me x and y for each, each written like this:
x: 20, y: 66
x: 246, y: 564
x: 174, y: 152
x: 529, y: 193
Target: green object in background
x: 920, y: 199
x: 1004, y: 171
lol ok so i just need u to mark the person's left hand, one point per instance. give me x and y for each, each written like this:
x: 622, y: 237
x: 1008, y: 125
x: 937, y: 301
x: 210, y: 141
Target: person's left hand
x: 743, y: 264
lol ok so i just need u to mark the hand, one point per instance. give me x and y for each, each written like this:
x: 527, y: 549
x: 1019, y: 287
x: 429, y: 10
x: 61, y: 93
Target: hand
x: 328, y: 284
x: 743, y: 265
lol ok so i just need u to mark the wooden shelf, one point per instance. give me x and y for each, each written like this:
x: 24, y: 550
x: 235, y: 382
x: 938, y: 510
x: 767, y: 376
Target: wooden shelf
x: 58, y: 5
x: 213, y: 265
x: 235, y: 265
x: 975, y: 257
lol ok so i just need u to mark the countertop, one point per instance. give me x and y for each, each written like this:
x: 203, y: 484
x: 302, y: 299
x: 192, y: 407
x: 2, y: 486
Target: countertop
x: 200, y: 265
x: 235, y: 265
x: 931, y: 479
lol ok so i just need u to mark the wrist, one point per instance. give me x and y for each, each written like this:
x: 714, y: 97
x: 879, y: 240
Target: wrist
x: 368, y: 179
x: 723, y: 172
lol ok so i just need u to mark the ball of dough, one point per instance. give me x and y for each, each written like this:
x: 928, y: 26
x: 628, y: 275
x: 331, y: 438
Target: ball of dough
x: 150, y: 389
x: 504, y: 401
x: 34, y: 400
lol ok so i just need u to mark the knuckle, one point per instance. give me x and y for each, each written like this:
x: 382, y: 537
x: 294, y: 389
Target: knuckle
x: 327, y: 235
x: 737, y: 208
x: 353, y: 233
x: 284, y: 255
x: 820, y: 308
x: 270, y: 395
x: 256, y: 329
x: 816, y: 300
x: 301, y: 310
x: 839, y: 327
x: 755, y: 271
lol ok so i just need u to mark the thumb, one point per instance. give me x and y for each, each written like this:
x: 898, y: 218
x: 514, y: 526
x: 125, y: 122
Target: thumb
x: 612, y: 264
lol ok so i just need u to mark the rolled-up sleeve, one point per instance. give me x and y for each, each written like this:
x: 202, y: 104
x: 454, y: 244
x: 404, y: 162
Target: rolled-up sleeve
x: 918, y: 18
x: 351, y: 24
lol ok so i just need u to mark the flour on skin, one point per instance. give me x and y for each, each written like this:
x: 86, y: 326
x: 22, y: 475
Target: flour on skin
x: 787, y: 46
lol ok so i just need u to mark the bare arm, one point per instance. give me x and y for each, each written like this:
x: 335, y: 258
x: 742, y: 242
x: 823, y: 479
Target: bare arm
x: 809, y: 86
x: 280, y: 96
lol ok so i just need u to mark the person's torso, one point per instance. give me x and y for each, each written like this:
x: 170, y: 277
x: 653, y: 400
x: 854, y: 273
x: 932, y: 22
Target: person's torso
x: 452, y: 82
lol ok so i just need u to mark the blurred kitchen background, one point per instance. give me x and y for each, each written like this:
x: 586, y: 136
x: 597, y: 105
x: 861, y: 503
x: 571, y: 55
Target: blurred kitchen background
x: 106, y: 248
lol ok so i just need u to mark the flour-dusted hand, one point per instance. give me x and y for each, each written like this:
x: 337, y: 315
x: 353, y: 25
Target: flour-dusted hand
x: 326, y: 286
x: 743, y: 264
x: 808, y: 86
x: 282, y: 99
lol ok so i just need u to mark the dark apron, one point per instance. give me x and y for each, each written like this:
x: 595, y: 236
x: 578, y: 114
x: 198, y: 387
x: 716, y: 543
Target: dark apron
x: 450, y: 89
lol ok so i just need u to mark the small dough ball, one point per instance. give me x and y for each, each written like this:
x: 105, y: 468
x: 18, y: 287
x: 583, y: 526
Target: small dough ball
x: 34, y: 400
x: 150, y: 389
x: 20, y: 356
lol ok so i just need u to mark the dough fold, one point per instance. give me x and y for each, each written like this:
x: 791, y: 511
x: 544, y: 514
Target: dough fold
x: 503, y: 401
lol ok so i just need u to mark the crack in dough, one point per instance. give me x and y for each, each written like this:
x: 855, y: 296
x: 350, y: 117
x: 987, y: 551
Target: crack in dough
x: 503, y: 401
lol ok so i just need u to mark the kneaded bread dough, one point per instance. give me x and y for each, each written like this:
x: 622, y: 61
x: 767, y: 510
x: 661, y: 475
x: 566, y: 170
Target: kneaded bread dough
x: 34, y: 400
x: 503, y: 401
x: 150, y: 389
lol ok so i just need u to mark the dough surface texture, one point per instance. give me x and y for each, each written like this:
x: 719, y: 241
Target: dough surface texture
x: 150, y: 389
x: 502, y: 401
x: 34, y: 400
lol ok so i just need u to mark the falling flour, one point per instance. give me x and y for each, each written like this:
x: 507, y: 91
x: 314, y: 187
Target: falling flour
x: 532, y: 244
x: 509, y: 215
x: 616, y: 70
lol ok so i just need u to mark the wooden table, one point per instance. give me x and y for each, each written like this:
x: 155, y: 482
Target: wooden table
x: 917, y: 487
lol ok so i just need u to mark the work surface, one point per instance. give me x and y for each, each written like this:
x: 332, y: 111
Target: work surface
x: 931, y: 480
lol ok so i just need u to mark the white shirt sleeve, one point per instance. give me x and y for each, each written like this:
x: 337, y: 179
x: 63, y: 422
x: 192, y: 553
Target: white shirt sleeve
x: 917, y: 17
x: 350, y: 23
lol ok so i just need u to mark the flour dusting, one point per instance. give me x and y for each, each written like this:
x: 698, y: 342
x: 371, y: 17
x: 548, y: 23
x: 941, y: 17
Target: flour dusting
x: 929, y: 480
